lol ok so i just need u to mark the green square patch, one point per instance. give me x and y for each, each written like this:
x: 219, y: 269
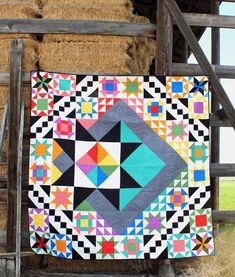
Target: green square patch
x: 132, y: 87
x: 177, y: 130
x: 42, y: 104
x: 64, y: 84
x: 131, y: 247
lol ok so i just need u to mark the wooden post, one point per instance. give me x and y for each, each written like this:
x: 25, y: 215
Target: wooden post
x: 163, y: 63
x: 3, y: 125
x: 164, y: 38
x: 15, y: 99
x: 215, y: 132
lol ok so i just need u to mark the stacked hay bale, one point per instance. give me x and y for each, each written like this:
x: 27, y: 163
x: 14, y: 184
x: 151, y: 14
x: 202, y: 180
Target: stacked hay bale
x: 15, y: 10
x: 94, y: 53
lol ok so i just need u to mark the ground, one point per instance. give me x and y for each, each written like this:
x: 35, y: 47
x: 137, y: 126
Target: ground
x: 227, y: 194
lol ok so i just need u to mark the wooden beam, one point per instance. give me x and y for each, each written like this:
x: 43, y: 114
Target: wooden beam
x: 163, y: 62
x: 222, y: 71
x: 164, y: 35
x: 13, y: 254
x: 202, y: 60
x: 5, y: 78
x: 60, y: 26
x: 217, y: 121
x: 222, y: 170
x: 225, y: 217
x: 19, y: 191
x: 42, y: 273
x: 3, y: 125
x: 209, y: 20
x: 15, y: 97
x: 215, y: 132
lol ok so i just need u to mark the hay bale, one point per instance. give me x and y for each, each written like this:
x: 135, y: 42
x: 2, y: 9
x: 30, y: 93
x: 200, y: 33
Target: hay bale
x: 73, y: 12
x: 94, y: 3
x: 18, y: 9
x: 4, y: 92
x: 110, y: 55
x: 30, y: 54
x: 3, y: 217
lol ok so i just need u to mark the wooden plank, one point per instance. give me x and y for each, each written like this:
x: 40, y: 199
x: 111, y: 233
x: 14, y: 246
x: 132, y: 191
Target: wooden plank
x: 215, y: 132
x: 202, y: 60
x: 209, y: 20
x: 14, y: 116
x: 163, y: 62
x: 19, y: 192
x: 164, y: 37
x: 227, y: 217
x: 217, y: 121
x: 13, y: 254
x: 222, y: 170
x: 5, y: 78
x: 222, y: 71
x: 42, y: 273
x: 3, y: 267
x: 3, y: 125
x: 10, y: 268
x: 60, y: 26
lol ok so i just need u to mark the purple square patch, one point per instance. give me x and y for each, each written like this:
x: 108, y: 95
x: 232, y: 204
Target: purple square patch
x: 198, y: 107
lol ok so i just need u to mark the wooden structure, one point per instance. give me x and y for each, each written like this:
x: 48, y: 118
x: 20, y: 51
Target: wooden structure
x: 168, y: 15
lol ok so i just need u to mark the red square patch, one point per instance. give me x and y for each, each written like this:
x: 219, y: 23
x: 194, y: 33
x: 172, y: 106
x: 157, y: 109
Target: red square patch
x: 107, y: 247
x: 201, y: 220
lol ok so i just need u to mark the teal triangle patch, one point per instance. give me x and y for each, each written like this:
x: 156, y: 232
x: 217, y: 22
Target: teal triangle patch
x: 126, y: 195
x: 127, y: 135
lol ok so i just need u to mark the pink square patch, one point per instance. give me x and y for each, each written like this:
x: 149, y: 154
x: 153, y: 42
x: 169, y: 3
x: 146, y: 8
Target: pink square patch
x: 179, y: 245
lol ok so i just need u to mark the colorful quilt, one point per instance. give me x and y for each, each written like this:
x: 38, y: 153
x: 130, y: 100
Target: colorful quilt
x: 119, y: 167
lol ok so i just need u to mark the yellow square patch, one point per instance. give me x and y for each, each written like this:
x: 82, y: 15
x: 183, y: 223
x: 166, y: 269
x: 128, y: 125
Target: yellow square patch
x: 84, y: 223
x: 86, y: 107
x: 38, y: 220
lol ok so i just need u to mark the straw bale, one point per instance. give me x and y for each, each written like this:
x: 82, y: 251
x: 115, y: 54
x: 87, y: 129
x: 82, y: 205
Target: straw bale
x: 35, y: 2
x: 91, y: 3
x: 4, y: 94
x: 97, y: 54
x: 74, y: 12
x: 30, y: 54
x: 16, y: 36
x: 82, y: 57
x: 18, y: 9
x: 102, y: 3
x: 3, y: 217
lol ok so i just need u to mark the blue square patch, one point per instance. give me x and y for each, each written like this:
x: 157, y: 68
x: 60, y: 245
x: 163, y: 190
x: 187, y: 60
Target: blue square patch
x: 177, y: 87
x: 199, y: 175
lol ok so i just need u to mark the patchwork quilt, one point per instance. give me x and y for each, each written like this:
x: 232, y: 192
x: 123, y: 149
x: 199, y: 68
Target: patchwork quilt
x: 119, y: 167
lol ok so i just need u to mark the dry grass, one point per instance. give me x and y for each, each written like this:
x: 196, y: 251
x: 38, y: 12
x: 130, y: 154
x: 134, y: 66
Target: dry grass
x: 30, y: 54
x: 103, y: 3
x: 18, y: 9
x: 121, y: 56
x: 223, y: 263
x: 61, y: 11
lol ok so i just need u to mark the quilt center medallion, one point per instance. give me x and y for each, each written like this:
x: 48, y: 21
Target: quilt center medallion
x: 120, y: 169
